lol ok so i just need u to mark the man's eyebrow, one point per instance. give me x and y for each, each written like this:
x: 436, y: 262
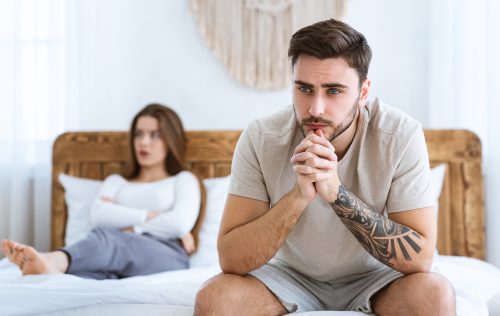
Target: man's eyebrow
x: 302, y: 83
x: 334, y: 85
x: 325, y: 85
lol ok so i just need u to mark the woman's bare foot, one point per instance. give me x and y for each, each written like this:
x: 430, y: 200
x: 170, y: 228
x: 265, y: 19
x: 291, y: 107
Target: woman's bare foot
x: 27, y: 259
x: 8, y: 248
x: 33, y: 262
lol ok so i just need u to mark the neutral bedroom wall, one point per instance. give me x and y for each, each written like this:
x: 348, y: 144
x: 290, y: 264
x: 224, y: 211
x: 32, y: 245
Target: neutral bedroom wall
x: 151, y: 51
x: 128, y: 53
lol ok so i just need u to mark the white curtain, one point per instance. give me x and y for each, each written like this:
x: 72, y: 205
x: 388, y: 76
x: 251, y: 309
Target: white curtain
x: 33, y: 112
x: 464, y: 79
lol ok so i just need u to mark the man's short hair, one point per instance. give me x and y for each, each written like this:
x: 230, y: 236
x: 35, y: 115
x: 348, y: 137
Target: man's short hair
x: 332, y: 39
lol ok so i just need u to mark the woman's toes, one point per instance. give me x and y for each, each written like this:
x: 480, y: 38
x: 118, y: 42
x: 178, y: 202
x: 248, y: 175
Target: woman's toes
x: 8, y: 247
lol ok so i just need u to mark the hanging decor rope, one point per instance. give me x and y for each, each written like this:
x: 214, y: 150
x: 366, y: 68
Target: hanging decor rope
x: 250, y: 37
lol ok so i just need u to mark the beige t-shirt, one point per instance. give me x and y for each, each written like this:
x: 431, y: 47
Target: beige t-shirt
x: 386, y: 166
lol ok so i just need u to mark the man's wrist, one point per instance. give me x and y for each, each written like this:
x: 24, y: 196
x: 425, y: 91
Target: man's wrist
x: 298, y: 198
x: 335, y: 194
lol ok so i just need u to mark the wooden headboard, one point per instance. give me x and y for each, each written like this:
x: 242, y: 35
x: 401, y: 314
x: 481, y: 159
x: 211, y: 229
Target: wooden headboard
x: 96, y: 155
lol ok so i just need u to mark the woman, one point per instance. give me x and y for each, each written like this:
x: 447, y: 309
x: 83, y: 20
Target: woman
x: 138, y: 218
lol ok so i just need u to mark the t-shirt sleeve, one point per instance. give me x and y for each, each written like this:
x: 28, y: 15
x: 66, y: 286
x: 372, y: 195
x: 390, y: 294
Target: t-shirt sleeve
x: 246, y: 173
x: 411, y: 187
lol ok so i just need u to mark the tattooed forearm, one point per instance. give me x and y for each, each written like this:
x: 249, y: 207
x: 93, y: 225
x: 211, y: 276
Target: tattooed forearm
x: 380, y: 236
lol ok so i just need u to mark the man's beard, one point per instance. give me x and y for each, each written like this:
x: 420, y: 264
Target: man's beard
x: 338, y: 129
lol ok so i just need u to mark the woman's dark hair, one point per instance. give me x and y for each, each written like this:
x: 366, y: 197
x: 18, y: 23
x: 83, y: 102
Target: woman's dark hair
x: 332, y: 39
x: 174, y: 137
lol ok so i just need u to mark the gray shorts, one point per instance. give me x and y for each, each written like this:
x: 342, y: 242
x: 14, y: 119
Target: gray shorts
x: 300, y: 293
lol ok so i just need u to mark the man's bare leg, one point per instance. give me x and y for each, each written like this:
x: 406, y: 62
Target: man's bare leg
x: 416, y: 294
x: 229, y: 294
x: 30, y: 261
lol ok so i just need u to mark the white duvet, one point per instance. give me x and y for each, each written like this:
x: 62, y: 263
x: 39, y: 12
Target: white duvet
x: 475, y: 283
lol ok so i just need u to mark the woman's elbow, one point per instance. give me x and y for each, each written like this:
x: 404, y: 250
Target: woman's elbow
x: 95, y: 210
x: 93, y: 216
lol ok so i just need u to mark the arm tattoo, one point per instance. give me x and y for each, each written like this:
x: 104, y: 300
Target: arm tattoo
x: 377, y: 234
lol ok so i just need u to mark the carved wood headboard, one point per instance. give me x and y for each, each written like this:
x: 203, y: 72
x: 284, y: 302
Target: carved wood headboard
x: 96, y: 155
x: 461, y: 230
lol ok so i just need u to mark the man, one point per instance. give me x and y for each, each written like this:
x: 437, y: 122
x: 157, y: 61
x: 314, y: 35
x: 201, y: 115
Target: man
x: 329, y: 205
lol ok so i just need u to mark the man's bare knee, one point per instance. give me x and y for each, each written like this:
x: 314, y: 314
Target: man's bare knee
x: 416, y: 294
x: 209, y: 295
x: 439, y: 294
x: 228, y: 294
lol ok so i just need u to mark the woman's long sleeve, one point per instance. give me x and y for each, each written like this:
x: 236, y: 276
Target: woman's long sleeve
x: 110, y: 214
x: 180, y: 219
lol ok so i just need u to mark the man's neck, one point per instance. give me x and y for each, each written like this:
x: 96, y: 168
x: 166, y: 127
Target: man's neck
x: 342, y: 142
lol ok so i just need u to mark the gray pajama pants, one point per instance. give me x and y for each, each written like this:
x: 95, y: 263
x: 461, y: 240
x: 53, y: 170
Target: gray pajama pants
x: 108, y: 253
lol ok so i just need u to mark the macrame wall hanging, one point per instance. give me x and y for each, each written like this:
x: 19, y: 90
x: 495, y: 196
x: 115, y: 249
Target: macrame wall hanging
x: 251, y: 37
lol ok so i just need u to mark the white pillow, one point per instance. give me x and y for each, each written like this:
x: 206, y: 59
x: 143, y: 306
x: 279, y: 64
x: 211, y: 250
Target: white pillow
x: 437, y: 179
x: 79, y: 194
x: 206, y: 254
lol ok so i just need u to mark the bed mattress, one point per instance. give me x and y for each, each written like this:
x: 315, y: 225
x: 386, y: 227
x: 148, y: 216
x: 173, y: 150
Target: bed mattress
x: 173, y: 293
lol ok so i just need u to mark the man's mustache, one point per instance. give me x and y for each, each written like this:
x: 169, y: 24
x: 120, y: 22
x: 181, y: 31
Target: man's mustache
x: 316, y: 120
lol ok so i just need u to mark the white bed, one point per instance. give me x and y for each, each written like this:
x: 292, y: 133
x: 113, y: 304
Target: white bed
x: 97, y: 154
x: 173, y: 293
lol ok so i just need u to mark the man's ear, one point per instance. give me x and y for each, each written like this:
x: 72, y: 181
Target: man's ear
x: 363, y: 93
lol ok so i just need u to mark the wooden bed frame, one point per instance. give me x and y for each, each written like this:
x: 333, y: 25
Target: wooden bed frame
x: 95, y: 155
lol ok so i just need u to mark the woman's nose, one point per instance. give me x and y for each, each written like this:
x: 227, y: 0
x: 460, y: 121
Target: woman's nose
x: 145, y: 140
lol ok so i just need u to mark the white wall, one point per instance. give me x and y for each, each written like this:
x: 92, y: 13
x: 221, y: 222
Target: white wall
x: 397, y: 33
x: 492, y: 177
x: 133, y: 52
x: 151, y: 51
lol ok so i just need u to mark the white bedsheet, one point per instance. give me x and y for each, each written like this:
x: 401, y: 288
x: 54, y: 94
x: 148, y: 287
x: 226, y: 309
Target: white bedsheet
x: 48, y: 293
x: 475, y: 282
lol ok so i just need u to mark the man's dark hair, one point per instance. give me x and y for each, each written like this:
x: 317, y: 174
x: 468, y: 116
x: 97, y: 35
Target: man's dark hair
x: 332, y: 39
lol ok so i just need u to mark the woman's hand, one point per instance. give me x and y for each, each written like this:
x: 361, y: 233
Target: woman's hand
x: 188, y: 243
x: 106, y: 199
x: 151, y: 215
x: 128, y: 229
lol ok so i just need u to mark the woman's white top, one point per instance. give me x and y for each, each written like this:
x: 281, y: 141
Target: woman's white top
x: 176, y: 197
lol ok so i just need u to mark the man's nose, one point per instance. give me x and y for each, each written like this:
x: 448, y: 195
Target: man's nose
x: 317, y: 107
